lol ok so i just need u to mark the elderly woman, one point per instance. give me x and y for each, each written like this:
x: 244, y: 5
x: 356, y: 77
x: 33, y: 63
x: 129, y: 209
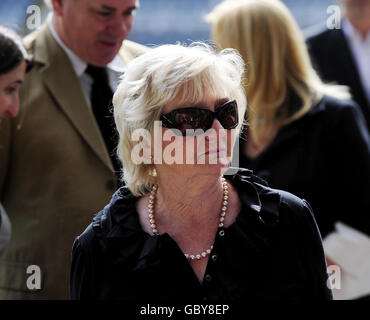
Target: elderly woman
x: 13, y: 63
x: 303, y: 136
x: 180, y: 230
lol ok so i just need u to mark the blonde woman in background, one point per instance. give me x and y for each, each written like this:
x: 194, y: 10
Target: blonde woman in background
x: 302, y: 136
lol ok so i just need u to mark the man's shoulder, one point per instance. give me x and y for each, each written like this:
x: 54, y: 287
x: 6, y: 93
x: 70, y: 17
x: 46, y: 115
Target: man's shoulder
x: 323, y: 35
x: 131, y: 50
x: 30, y: 39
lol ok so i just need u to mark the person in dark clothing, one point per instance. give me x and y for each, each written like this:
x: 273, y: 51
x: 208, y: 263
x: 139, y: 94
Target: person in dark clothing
x: 192, y: 229
x: 303, y: 136
x: 319, y: 157
x: 343, y: 55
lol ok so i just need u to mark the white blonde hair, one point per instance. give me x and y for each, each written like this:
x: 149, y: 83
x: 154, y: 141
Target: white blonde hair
x: 158, y: 77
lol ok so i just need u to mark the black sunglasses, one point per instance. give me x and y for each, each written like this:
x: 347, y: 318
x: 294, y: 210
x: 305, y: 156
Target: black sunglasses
x: 200, y: 118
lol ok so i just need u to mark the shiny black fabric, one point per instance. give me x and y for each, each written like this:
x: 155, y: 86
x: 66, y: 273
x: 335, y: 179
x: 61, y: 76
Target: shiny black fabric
x: 324, y: 157
x: 272, y: 251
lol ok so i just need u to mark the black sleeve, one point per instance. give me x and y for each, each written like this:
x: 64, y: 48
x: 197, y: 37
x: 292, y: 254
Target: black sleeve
x: 80, y: 277
x: 313, y: 256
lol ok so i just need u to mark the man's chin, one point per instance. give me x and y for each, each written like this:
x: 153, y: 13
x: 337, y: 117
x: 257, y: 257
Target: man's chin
x: 102, y: 58
x: 102, y: 61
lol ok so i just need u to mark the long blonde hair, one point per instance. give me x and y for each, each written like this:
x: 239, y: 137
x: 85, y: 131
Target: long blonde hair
x: 277, y: 62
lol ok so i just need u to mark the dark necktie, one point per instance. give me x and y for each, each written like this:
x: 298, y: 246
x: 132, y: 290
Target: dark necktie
x: 101, y: 103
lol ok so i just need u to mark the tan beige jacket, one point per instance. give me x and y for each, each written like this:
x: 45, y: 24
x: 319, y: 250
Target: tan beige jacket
x: 55, y: 173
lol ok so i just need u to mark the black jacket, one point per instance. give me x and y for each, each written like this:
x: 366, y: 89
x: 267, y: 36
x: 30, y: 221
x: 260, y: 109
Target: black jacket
x: 324, y: 157
x: 333, y: 59
x: 272, y: 251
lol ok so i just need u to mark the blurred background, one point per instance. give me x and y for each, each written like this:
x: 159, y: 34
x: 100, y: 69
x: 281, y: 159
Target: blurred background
x: 163, y: 21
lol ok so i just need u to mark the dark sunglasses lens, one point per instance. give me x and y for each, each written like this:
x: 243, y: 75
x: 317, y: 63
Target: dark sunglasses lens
x: 193, y: 119
x: 228, y: 115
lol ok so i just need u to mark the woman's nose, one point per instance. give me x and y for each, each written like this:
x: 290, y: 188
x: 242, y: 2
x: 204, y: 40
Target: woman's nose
x: 216, y: 124
x: 213, y: 132
x: 118, y: 26
x: 13, y: 108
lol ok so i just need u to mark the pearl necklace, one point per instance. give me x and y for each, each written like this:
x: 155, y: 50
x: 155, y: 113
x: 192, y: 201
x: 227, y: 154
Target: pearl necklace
x: 221, y: 221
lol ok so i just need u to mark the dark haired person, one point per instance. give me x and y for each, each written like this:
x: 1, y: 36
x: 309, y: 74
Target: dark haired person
x: 12, y: 69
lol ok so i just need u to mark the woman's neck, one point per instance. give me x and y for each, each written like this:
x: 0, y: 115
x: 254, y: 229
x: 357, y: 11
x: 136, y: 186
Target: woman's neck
x: 188, y: 201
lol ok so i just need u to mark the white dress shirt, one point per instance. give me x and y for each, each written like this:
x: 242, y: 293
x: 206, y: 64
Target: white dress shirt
x: 360, y: 48
x: 114, y: 69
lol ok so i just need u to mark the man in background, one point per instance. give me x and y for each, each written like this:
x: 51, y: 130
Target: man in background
x: 57, y: 158
x: 343, y: 55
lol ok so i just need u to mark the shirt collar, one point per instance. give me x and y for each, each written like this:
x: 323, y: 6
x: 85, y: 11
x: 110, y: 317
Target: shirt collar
x: 116, y: 65
x: 77, y: 63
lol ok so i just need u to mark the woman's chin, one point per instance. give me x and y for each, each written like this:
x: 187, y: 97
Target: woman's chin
x: 217, y: 168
